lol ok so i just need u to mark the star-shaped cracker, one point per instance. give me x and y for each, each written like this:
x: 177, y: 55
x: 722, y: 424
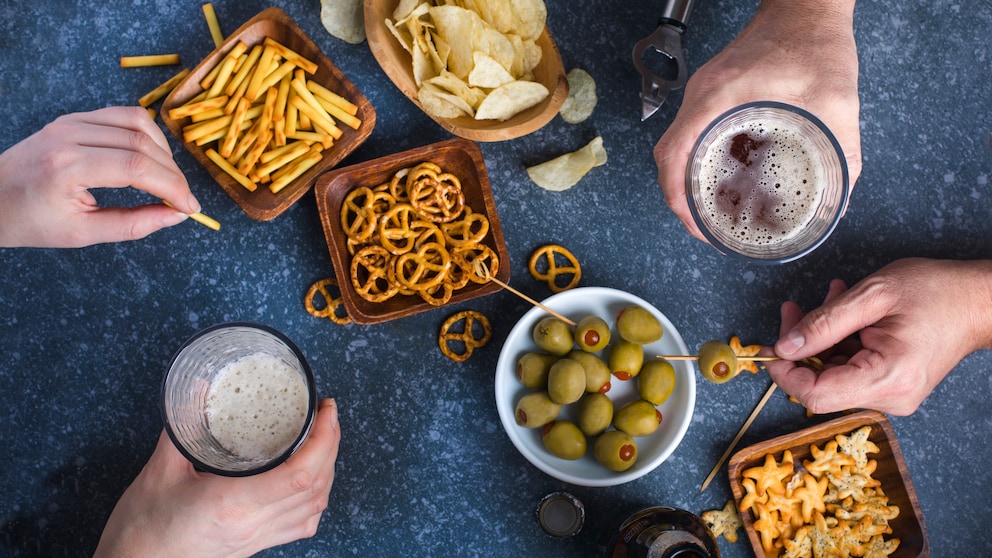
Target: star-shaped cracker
x: 767, y: 526
x: 857, y: 445
x: 811, y: 496
x: 827, y: 460
x: 771, y: 475
x: 878, y: 547
x: 740, y: 350
x: 724, y: 522
x: 799, y: 545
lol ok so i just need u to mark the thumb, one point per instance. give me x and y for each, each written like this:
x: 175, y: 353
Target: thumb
x: 828, y: 325
x: 115, y: 224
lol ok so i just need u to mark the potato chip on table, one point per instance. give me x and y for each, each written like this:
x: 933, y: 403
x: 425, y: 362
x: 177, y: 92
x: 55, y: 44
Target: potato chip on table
x: 561, y: 173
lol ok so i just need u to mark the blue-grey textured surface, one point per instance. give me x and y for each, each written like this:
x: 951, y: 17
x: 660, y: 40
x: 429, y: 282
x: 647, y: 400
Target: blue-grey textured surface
x: 425, y: 468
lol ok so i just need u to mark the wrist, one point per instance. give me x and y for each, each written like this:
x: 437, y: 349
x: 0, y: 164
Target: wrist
x: 810, y: 19
x: 978, y: 280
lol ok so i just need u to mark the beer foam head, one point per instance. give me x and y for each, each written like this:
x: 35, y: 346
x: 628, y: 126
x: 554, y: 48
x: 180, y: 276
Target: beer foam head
x: 760, y: 182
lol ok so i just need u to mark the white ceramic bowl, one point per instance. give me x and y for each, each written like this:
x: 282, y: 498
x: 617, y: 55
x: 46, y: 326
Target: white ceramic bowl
x: 652, y: 450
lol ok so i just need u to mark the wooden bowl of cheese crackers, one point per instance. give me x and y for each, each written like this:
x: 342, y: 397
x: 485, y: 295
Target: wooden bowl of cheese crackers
x: 840, y: 488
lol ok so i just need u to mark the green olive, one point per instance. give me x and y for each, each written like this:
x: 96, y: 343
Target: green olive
x: 536, y: 409
x: 563, y: 439
x: 637, y: 325
x: 638, y: 418
x: 566, y: 381
x: 553, y: 335
x: 656, y: 381
x: 592, y: 334
x: 595, y: 413
x: 625, y: 359
x: 597, y: 372
x: 615, y: 450
x: 532, y: 369
x: 717, y: 361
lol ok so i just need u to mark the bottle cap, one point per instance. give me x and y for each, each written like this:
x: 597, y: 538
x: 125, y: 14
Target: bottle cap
x: 561, y: 514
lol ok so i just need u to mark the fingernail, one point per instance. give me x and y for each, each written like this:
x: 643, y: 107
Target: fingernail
x: 792, y: 342
x: 174, y: 218
x: 194, y: 203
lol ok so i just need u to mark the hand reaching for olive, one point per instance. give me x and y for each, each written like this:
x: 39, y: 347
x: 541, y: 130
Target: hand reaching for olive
x: 778, y: 57
x: 889, y: 340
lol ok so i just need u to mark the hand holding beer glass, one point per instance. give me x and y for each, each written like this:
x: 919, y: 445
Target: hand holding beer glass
x: 798, y: 52
x: 246, y: 461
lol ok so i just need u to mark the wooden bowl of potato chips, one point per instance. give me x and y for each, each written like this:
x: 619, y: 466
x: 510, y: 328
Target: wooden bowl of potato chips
x: 841, y: 486
x: 291, y: 162
x: 488, y: 71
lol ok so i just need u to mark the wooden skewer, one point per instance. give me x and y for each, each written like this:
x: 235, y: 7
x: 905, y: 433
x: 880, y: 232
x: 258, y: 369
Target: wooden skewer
x: 208, y: 222
x: 482, y: 271
x: 740, y: 433
x: 695, y: 357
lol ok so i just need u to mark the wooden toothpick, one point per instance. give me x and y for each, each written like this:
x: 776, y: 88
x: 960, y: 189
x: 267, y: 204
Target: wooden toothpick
x: 740, y: 434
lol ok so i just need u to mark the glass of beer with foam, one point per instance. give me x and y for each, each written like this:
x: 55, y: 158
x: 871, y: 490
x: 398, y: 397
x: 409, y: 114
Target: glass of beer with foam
x: 767, y: 181
x: 238, y: 399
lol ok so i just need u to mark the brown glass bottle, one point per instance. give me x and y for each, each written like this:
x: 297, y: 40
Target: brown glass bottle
x: 661, y: 532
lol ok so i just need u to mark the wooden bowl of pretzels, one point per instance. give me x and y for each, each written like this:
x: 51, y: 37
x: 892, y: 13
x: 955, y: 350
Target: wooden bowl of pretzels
x: 406, y: 232
x: 839, y: 488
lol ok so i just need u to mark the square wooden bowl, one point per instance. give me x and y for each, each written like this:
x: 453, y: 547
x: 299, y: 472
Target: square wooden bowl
x: 398, y: 65
x: 263, y: 205
x: 459, y: 157
x: 909, y: 527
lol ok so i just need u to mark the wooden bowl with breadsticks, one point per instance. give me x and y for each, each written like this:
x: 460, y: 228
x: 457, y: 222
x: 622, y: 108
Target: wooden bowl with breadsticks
x: 266, y: 138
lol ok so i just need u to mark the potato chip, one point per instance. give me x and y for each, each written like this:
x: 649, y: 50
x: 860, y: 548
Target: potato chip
x: 581, y: 98
x: 344, y: 19
x: 440, y: 103
x: 452, y: 84
x: 510, y: 99
x: 487, y: 72
x: 405, y: 8
x: 454, y: 24
x: 561, y: 173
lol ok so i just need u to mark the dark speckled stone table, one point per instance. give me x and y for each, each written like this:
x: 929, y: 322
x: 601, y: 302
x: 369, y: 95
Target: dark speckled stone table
x: 425, y: 468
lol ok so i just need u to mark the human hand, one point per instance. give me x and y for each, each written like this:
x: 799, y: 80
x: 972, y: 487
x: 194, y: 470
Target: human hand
x: 888, y: 341
x: 173, y: 510
x: 800, y: 52
x: 45, y: 181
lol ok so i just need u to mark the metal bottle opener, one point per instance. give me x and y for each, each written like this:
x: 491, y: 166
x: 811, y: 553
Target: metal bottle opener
x: 666, y: 41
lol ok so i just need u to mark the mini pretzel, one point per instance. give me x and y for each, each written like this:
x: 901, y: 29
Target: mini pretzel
x: 331, y: 303
x: 425, y: 268
x: 467, y: 335
x: 438, y: 295
x: 465, y: 257
x: 396, y: 232
x: 369, y: 274
x: 436, y: 196
x: 554, y: 270
x: 468, y: 230
x: 356, y: 214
